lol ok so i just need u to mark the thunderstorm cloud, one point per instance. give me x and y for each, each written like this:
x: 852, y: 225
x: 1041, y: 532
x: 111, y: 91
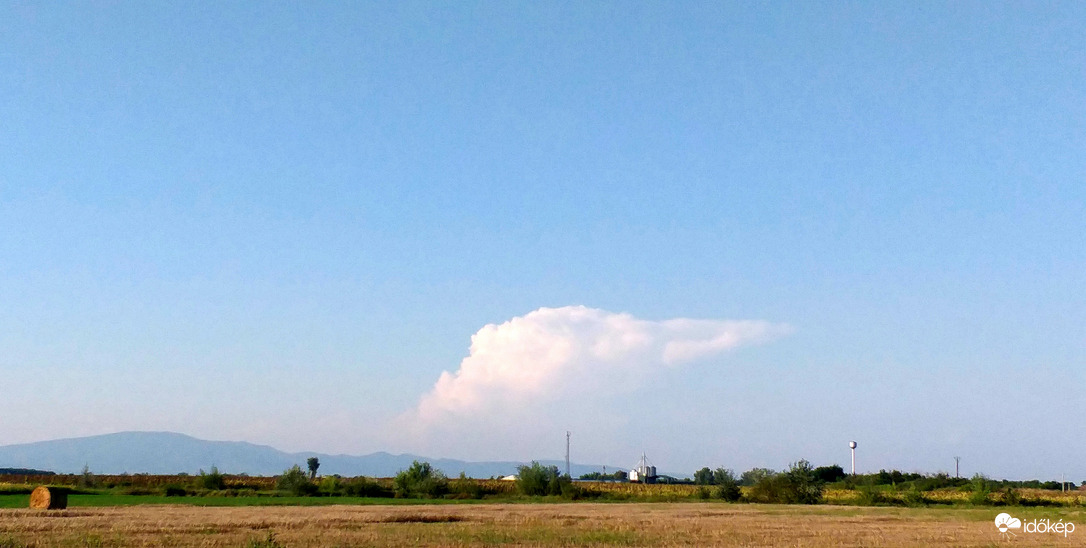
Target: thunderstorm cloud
x: 551, y: 355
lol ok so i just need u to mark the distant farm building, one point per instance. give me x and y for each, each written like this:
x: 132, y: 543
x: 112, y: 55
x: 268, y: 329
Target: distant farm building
x: 643, y: 472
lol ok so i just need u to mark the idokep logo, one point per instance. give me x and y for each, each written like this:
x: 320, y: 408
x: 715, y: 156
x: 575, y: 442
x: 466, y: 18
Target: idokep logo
x: 1005, y: 523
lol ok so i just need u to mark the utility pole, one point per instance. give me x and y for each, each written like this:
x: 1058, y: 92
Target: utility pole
x: 567, y: 454
x: 956, y: 461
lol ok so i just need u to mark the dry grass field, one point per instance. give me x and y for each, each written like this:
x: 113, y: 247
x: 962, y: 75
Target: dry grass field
x: 578, y: 524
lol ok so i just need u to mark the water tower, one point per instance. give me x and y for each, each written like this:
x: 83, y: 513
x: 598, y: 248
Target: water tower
x: 852, y: 445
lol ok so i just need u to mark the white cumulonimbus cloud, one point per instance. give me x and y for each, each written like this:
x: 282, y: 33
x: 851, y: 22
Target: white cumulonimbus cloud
x: 555, y: 353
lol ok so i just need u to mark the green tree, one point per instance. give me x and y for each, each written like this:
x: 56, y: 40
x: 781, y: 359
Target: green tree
x: 803, y: 486
x: 915, y: 497
x: 830, y: 474
x: 724, y: 475
x: 213, y: 481
x: 87, y: 478
x: 420, y: 480
x: 727, y: 485
x: 296, y: 482
x: 539, y: 480
x: 703, y: 477
x: 313, y: 463
x: 365, y: 487
x: 754, y: 475
x: 767, y: 487
x: 982, y: 489
x: 797, y: 485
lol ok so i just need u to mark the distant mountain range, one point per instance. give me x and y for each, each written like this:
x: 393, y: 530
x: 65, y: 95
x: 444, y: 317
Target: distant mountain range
x: 171, y: 453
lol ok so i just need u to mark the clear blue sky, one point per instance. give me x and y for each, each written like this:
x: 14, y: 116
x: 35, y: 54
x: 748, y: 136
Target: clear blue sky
x: 280, y: 222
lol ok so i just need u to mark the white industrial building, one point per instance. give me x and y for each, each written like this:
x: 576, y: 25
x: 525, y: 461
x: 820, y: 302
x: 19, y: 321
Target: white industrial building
x: 643, y: 472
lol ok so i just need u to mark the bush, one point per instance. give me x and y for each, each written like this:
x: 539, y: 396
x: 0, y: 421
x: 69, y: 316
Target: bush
x: 980, y: 498
x: 599, y: 476
x: 893, y: 477
x: 728, y: 492
x: 796, y: 486
x: 174, y: 490
x: 830, y: 474
x: 539, y: 480
x: 768, y: 488
x: 466, y: 488
x: 420, y: 481
x: 330, y: 486
x: 720, y: 476
x: 914, y: 497
x: 939, y: 481
x: 212, y: 481
x: 753, y: 476
x: 365, y: 487
x: 723, y: 476
x: 296, y: 482
x: 1011, y: 497
x: 981, y: 490
x: 87, y: 479
x: 727, y: 485
x: 573, y: 492
x: 535, y: 479
x: 870, y: 495
x: 803, y: 486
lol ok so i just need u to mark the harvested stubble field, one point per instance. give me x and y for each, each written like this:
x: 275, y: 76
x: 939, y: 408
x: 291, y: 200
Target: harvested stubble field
x: 576, y: 524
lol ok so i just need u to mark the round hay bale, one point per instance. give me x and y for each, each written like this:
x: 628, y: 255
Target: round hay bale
x: 49, y: 498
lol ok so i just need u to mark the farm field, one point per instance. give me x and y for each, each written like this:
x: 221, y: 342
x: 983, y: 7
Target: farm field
x: 108, y: 500
x: 565, y: 524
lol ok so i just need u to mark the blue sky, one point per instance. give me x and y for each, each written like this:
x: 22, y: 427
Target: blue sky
x: 281, y: 223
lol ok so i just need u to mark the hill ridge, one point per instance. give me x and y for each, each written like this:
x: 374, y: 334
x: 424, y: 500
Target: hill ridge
x: 164, y: 452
